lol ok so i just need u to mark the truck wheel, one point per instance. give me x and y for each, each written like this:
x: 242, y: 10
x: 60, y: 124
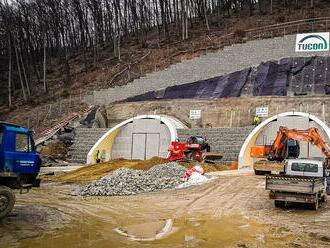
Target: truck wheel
x: 315, y: 205
x: 279, y: 204
x: 323, y: 198
x: 7, y: 201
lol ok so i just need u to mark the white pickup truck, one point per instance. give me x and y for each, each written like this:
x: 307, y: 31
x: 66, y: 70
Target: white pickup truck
x: 304, y: 180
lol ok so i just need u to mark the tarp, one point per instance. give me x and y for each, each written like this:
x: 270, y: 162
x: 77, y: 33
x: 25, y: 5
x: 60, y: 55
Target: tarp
x: 271, y: 79
x: 300, y: 76
x: 218, y: 87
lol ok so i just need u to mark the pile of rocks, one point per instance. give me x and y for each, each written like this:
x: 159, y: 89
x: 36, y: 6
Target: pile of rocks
x: 126, y: 181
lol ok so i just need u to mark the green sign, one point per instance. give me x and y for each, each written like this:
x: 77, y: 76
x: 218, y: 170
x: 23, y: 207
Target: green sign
x: 312, y: 42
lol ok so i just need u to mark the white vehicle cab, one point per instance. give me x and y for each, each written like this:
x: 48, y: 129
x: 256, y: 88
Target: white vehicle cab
x: 305, y: 167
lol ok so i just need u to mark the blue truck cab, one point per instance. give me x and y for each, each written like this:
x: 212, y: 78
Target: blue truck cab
x: 19, y: 163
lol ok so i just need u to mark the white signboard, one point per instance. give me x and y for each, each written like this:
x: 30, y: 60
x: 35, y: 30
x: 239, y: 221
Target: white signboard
x: 195, y: 114
x: 312, y: 42
x: 262, y: 111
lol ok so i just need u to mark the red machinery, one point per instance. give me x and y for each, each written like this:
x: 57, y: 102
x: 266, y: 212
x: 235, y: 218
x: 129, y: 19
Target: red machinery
x: 195, y: 149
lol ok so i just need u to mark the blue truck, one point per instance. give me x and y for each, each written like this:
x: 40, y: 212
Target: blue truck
x: 19, y: 164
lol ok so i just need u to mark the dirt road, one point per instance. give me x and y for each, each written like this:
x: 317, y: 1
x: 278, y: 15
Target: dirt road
x: 231, y: 211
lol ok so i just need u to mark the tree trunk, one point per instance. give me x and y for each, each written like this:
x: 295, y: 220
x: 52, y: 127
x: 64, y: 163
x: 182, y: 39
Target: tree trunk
x: 118, y: 47
x: 9, y: 73
x: 67, y: 68
x: 20, y: 74
x: 44, y: 65
x: 184, y: 19
x: 205, y: 16
x: 24, y: 73
x: 271, y: 6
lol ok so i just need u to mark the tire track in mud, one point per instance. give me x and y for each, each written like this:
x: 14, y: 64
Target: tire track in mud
x: 221, y: 188
x: 70, y: 207
x: 224, y: 194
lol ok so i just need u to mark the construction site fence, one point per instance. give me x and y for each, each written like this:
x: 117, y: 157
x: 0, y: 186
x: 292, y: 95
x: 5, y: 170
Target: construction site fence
x: 321, y: 24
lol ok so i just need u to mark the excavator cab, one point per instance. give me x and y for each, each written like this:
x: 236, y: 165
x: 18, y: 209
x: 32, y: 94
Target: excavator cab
x: 293, y: 149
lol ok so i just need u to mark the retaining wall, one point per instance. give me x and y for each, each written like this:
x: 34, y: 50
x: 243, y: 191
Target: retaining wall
x: 231, y: 112
x: 226, y: 141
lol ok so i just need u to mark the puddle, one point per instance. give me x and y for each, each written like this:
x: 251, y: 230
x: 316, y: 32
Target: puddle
x: 230, y: 231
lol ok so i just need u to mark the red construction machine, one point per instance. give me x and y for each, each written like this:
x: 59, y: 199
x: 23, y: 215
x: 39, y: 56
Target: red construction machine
x: 195, y: 148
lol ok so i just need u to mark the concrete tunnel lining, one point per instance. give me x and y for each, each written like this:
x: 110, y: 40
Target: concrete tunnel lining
x: 245, y: 159
x: 107, y: 140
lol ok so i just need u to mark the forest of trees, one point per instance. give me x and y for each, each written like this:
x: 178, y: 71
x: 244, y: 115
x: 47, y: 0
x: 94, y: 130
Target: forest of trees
x: 32, y: 32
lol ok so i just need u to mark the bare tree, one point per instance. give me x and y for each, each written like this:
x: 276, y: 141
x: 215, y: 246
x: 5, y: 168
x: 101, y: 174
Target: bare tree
x: 9, y: 73
x: 19, y: 72
x: 44, y: 64
x: 39, y: 32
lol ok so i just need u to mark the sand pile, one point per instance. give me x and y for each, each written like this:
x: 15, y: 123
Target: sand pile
x: 97, y: 171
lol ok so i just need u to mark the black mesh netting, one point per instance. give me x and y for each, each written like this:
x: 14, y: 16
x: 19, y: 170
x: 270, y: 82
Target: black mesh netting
x: 300, y: 76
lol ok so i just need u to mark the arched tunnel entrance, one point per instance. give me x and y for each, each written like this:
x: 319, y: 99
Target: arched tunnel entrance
x: 265, y: 133
x: 141, y: 137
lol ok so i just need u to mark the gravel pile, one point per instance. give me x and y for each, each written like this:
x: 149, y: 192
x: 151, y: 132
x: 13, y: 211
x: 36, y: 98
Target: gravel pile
x: 126, y: 181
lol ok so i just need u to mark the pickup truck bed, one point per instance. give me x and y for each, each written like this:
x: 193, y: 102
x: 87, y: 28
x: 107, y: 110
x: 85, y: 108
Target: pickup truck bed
x: 286, y: 188
x: 286, y: 183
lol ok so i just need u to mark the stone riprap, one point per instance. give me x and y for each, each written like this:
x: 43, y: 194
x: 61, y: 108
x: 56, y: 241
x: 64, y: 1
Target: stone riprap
x: 84, y: 140
x: 226, y: 141
x: 230, y: 59
x: 126, y: 181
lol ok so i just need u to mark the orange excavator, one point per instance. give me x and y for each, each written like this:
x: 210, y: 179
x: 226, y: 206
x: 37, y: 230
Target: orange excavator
x: 286, y: 145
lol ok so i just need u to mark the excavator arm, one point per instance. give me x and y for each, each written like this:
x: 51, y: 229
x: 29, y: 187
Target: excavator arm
x: 311, y: 135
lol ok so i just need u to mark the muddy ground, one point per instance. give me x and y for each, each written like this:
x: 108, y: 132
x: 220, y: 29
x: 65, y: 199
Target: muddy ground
x: 231, y: 211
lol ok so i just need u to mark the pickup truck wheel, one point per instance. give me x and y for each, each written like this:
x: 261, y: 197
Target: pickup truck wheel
x: 323, y: 198
x: 7, y: 201
x: 279, y: 204
x: 315, y: 205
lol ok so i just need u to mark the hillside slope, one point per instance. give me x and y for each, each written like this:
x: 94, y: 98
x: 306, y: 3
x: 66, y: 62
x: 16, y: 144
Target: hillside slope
x: 137, y: 61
